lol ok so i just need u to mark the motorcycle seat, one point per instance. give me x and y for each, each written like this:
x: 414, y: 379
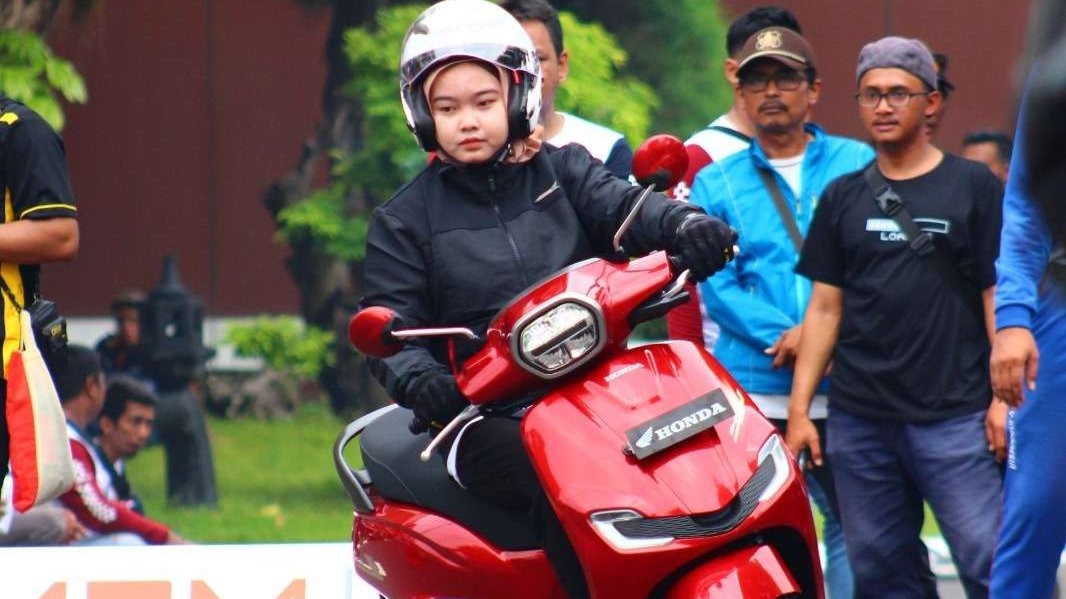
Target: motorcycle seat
x: 390, y: 456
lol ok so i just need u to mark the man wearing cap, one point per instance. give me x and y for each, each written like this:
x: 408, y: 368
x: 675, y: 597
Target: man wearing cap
x: 726, y: 135
x: 768, y: 194
x: 905, y: 318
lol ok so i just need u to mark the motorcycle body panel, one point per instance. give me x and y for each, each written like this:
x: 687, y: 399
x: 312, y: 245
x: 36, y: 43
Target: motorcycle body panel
x: 576, y: 436
x: 602, y: 439
x: 748, y: 572
x: 407, y: 551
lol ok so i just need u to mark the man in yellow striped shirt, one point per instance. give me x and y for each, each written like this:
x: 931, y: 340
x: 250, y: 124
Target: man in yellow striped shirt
x: 38, y: 222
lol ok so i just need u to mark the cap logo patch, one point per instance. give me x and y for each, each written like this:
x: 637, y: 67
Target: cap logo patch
x: 768, y: 40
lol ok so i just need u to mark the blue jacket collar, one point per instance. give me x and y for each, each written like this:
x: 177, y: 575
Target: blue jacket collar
x: 814, y: 146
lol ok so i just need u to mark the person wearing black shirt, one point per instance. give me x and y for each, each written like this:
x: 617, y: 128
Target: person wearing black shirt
x: 909, y: 340
x: 121, y: 352
x: 37, y: 223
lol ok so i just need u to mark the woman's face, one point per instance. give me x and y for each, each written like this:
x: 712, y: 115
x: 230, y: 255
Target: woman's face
x: 469, y: 112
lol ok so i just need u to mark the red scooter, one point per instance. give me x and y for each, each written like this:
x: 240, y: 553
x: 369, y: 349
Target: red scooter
x: 667, y: 479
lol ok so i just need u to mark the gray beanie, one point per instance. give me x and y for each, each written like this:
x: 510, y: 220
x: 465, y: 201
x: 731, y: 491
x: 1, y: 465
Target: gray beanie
x: 894, y: 52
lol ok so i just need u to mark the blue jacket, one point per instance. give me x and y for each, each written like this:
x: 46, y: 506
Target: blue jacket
x: 758, y: 296
x: 1025, y: 248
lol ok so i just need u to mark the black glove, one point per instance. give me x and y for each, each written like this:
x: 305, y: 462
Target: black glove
x: 435, y: 398
x: 704, y: 244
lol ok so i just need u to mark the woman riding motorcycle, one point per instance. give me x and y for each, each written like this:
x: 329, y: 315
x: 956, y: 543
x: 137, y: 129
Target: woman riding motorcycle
x: 493, y: 213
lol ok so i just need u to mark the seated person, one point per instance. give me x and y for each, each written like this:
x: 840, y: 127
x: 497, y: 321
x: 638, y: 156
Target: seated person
x: 125, y: 424
x: 41, y: 526
x: 121, y: 351
x: 93, y: 499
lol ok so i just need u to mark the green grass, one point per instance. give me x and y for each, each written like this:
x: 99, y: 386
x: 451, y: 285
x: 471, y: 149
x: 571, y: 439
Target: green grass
x: 276, y: 482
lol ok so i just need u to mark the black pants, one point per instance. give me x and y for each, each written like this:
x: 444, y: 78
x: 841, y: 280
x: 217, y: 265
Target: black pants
x: 493, y: 463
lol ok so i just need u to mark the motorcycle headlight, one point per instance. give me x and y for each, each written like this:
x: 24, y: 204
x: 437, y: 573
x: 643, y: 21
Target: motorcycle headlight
x: 560, y: 337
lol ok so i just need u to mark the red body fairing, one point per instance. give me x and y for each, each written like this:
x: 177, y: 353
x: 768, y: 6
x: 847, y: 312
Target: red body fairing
x: 406, y: 552
x: 575, y: 434
x: 722, y: 513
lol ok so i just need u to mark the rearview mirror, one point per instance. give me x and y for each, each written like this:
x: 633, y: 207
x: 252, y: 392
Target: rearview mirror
x: 661, y: 162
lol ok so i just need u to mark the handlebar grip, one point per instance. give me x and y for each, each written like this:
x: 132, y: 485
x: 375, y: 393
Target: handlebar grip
x: 417, y: 426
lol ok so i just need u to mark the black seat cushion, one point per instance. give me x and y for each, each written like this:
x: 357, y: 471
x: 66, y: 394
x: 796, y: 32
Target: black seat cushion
x: 390, y: 456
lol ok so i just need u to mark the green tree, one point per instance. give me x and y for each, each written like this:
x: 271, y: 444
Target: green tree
x: 29, y: 71
x: 598, y: 87
x: 677, y: 48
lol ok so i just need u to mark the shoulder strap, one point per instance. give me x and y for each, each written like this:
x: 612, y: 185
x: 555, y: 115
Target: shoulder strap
x: 10, y: 294
x: 921, y: 242
x: 770, y: 181
x: 892, y: 206
x: 728, y: 131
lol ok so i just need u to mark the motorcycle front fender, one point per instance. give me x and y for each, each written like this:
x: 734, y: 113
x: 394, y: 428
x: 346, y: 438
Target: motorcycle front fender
x: 749, y: 572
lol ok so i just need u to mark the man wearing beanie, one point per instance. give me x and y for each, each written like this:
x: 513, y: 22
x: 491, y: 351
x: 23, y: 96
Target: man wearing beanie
x: 902, y: 259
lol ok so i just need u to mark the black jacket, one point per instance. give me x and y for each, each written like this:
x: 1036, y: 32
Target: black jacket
x: 458, y: 243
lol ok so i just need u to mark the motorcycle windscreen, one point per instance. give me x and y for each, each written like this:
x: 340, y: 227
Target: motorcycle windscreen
x: 662, y: 429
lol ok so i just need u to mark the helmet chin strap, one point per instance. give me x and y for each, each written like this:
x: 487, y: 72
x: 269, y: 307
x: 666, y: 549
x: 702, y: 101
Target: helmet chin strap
x: 502, y: 155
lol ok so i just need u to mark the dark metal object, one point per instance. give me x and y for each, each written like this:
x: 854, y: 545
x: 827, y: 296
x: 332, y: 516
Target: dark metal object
x: 172, y: 338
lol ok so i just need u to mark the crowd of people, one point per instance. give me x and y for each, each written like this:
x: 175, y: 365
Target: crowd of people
x: 860, y: 315
x: 887, y: 310
x: 110, y: 408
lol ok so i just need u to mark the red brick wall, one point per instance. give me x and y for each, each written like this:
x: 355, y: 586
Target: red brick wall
x: 194, y: 108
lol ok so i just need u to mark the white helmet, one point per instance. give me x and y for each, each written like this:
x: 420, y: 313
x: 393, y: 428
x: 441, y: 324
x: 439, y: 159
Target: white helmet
x: 469, y: 29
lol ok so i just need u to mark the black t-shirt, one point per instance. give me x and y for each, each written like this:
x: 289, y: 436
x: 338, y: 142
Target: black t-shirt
x: 34, y: 184
x: 908, y: 348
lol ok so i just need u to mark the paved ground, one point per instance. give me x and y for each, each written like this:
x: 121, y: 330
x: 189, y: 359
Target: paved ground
x: 947, y: 580
x: 950, y: 588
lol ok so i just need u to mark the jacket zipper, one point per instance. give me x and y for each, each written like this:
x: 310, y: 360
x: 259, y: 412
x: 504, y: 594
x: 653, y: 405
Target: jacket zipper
x: 510, y: 239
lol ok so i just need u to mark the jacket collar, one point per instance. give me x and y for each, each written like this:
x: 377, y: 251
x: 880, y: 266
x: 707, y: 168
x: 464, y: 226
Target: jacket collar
x: 480, y: 181
x: 814, y: 147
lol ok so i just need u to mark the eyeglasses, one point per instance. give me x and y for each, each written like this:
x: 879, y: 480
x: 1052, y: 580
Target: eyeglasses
x: 897, y: 98
x: 786, y: 80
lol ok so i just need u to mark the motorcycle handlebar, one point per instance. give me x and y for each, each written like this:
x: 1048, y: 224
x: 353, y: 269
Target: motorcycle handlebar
x: 677, y: 264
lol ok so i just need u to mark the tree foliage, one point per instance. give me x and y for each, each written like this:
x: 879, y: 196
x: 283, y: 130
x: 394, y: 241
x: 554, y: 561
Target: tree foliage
x: 33, y: 75
x: 386, y: 155
x: 597, y: 87
x: 285, y: 344
x: 676, y: 47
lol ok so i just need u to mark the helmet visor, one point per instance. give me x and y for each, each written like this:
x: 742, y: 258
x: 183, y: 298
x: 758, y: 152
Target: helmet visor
x: 509, y: 57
